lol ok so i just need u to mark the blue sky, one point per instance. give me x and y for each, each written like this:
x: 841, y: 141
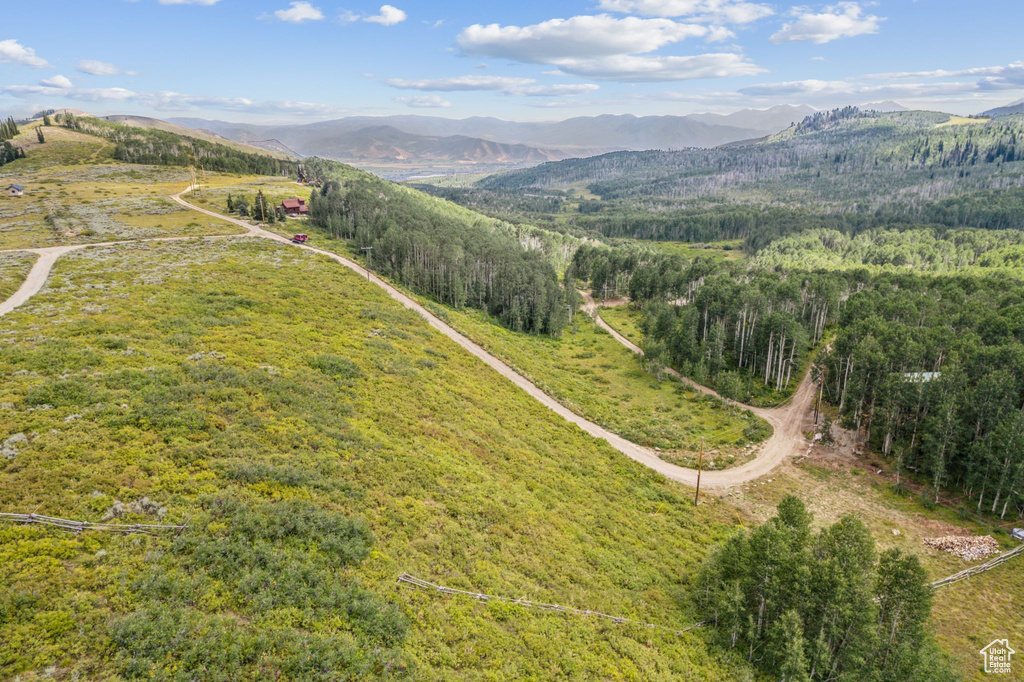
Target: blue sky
x: 278, y: 60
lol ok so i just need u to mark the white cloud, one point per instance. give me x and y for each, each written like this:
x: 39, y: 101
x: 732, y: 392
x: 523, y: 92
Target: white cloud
x: 853, y: 89
x: 95, y: 67
x: 653, y: 69
x: 922, y: 84
x: 11, y: 51
x: 1006, y: 77
x: 609, y: 48
x: 425, y: 102
x: 526, y: 87
x: 57, y: 81
x: 459, y: 83
x: 80, y: 94
x: 722, y: 11
x: 173, y: 101
x: 388, y: 16
x: 581, y: 37
x: 558, y: 90
x: 298, y: 13
x: 843, y: 20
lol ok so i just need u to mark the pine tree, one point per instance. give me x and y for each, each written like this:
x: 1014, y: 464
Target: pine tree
x: 231, y: 204
x: 39, y: 134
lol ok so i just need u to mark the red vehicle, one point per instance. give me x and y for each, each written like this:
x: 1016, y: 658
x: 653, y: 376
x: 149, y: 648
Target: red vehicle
x: 300, y: 238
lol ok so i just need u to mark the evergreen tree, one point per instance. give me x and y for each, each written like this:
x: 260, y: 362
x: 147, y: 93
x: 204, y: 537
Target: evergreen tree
x: 39, y: 135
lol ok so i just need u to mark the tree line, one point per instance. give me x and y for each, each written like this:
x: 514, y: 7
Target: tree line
x: 804, y: 606
x: 928, y: 367
x: 746, y: 332
x: 440, y: 250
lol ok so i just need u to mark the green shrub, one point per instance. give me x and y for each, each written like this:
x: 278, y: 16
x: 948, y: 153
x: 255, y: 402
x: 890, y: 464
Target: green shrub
x: 61, y: 393
x: 336, y: 366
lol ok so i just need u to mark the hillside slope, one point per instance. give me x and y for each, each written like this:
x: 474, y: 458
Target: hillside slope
x: 277, y: 403
x: 846, y: 170
x: 157, y: 124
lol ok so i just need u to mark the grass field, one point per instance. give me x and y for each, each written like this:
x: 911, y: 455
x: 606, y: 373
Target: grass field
x: 724, y: 250
x: 13, y: 269
x: 587, y: 371
x: 174, y: 372
x: 75, y: 194
x: 595, y: 376
x: 962, y: 120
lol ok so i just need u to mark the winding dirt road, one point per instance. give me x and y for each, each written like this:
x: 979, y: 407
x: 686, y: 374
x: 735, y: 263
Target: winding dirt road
x: 786, y: 421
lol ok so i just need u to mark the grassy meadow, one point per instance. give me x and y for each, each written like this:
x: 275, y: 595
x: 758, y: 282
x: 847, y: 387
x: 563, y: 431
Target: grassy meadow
x: 76, y: 194
x: 13, y: 269
x: 584, y: 369
x: 173, y: 377
x: 731, y: 249
x: 596, y: 377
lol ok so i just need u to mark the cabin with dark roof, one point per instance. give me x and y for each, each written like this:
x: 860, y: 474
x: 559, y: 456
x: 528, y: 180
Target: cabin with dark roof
x: 15, y: 191
x: 294, y: 207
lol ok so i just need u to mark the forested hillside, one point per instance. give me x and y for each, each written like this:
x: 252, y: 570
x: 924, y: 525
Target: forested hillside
x: 919, y: 250
x: 161, y: 148
x: 444, y: 251
x: 846, y: 170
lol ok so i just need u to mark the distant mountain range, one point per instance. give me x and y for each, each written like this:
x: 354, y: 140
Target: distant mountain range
x: 487, y: 140
x: 1012, y: 108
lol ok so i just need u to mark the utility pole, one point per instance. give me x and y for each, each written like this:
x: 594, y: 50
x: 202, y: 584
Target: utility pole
x: 367, y: 249
x: 700, y: 467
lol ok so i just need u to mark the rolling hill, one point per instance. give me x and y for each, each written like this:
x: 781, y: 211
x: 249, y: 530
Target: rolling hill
x: 207, y: 135
x: 1008, y: 110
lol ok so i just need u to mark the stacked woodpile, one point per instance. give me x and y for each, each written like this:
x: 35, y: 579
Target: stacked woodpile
x: 967, y: 547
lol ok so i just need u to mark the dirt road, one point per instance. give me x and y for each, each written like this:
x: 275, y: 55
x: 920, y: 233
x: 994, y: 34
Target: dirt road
x: 786, y: 421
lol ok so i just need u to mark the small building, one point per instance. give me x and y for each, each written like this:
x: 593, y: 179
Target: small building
x: 15, y: 191
x: 294, y: 207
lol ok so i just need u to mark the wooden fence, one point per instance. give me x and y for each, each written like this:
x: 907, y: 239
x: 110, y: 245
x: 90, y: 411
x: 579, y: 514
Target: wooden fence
x: 424, y: 585
x: 980, y: 568
x: 79, y: 526
x: 407, y: 579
